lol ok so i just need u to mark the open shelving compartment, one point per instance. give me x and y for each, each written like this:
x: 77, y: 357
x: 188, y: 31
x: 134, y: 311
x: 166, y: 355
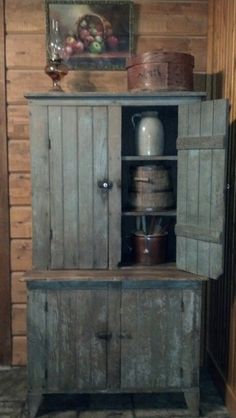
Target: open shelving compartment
x: 148, y: 221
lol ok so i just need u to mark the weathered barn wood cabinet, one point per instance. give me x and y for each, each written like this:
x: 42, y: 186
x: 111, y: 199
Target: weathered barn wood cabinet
x: 120, y: 327
x: 113, y: 331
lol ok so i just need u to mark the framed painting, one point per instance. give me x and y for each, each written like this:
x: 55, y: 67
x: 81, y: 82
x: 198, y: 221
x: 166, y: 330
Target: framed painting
x: 94, y: 35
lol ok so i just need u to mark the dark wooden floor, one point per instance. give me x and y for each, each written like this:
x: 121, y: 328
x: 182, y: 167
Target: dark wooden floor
x: 13, y: 402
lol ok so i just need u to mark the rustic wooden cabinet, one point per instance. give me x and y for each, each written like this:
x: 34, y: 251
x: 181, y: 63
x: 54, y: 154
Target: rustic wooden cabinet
x: 117, y: 326
x: 113, y: 331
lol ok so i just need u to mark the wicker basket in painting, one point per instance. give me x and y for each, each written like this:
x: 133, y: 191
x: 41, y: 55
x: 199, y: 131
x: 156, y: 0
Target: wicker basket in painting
x: 96, y: 25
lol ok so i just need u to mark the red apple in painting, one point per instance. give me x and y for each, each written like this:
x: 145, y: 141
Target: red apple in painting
x: 68, y: 50
x: 112, y: 42
x: 88, y: 40
x: 83, y: 34
x: 78, y: 47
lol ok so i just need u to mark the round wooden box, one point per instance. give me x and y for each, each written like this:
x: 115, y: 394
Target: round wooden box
x: 158, y: 70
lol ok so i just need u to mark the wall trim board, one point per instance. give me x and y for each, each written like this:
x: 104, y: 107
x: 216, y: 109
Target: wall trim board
x: 5, y: 289
x: 220, y: 380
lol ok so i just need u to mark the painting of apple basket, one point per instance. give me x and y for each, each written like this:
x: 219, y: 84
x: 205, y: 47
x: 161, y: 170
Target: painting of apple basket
x: 94, y: 35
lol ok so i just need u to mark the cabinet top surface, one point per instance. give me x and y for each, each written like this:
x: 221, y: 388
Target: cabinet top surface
x: 166, y: 272
x: 117, y: 97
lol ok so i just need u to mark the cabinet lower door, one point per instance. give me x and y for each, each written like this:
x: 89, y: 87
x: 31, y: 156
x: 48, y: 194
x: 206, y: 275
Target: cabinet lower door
x: 77, y: 338
x: 159, y: 338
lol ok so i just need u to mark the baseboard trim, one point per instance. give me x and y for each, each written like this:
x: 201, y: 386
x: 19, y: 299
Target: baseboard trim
x: 225, y: 389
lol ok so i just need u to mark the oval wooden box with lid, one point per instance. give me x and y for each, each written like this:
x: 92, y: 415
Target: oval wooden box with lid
x: 158, y: 70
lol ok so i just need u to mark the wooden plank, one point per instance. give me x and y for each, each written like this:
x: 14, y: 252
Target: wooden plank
x: 202, y: 142
x: 151, y: 344
x: 21, y: 222
x: 194, y: 46
x: 53, y: 340
x: 21, y: 254
x: 101, y: 197
x: 23, y: 19
x: 56, y: 186
x: 114, y: 135
x: 218, y: 187
x: 20, y: 189
x: 70, y: 186
x: 18, y: 319
x: 196, y: 232
x: 40, y: 186
x: 129, y: 346
x: 18, y: 288
x: 25, y: 51
x: 21, y: 81
x: 182, y: 187
x: 19, y: 156
x: 114, y: 347
x: 5, y: 292
x: 19, y: 351
x: 205, y: 168
x: 85, y: 187
x: 193, y: 186
x: 185, y: 18
x: 191, y: 337
x: 174, y: 339
x: 18, y: 122
x: 36, y: 323
x: 80, y: 345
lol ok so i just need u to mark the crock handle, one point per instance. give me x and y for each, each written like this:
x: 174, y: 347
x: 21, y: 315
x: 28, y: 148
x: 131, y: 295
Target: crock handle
x: 135, y: 116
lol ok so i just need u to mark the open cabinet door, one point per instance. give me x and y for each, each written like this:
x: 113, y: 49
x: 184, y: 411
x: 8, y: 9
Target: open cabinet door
x: 202, y: 146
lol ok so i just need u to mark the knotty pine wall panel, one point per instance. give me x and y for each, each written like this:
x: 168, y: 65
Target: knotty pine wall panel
x: 221, y: 82
x: 172, y: 25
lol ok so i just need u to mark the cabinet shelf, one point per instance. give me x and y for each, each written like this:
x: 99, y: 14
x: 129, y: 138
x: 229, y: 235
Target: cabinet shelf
x: 149, y: 213
x: 130, y: 158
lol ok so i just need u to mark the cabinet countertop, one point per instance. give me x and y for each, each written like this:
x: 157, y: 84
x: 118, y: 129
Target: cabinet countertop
x: 164, y: 272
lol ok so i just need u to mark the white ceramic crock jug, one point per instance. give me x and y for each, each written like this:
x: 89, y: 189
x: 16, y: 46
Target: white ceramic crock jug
x: 149, y: 133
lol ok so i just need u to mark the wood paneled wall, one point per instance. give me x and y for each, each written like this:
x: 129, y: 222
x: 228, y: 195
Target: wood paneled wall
x: 222, y: 295
x: 171, y: 25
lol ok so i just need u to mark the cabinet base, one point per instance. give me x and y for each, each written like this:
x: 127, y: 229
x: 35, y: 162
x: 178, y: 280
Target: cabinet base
x: 191, y: 396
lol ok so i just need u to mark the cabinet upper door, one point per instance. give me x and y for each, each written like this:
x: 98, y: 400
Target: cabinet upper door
x: 202, y: 146
x: 76, y: 186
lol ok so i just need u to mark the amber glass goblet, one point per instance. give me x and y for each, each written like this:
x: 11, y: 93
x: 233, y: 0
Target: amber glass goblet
x: 56, y: 70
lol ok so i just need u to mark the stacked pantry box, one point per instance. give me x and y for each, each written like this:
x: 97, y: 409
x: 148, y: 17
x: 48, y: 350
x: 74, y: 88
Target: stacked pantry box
x: 98, y: 321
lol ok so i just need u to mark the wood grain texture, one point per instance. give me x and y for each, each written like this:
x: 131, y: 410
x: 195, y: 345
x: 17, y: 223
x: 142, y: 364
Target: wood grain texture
x: 21, y: 254
x: 18, y: 288
x: 36, y: 343
x: 20, y: 189
x: 24, y: 51
x: 19, y: 156
x: 21, y: 222
x: 40, y: 188
x: 19, y: 351
x: 181, y: 19
x: 206, y: 182
x: 18, y: 319
x: 24, y: 19
x: 5, y: 292
x: 18, y: 122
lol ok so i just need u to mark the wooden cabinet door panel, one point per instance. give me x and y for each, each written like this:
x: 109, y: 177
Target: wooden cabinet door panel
x: 202, y: 151
x: 77, y: 327
x: 158, y: 332
x: 76, y: 221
